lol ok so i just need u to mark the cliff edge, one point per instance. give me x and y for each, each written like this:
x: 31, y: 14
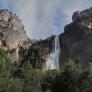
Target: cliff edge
x: 77, y: 37
x: 12, y: 33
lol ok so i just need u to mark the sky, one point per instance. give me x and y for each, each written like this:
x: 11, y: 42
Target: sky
x: 43, y: 18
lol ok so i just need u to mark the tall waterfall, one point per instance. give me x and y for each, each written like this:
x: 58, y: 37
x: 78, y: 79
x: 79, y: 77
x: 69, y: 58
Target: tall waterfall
x: 53, y: 59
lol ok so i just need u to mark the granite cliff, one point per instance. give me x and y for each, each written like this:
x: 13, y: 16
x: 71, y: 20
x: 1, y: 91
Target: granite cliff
x: 12, y: 33
x: 77, y: 37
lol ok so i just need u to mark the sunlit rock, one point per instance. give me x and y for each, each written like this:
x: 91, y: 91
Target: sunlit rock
x: 12, y: 32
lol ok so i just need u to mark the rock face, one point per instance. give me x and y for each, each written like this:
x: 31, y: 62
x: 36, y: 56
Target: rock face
x: 77, y: 37
x: 11, y: 31
x: 46, y: 43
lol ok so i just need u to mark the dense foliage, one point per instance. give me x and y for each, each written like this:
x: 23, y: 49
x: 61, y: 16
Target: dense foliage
x: 73, y: 77
x: 35, y: 56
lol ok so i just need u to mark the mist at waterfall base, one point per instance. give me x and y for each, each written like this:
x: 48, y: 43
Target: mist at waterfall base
x: 52, y: 62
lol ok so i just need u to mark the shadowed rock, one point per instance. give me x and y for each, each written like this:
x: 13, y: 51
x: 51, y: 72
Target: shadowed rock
x: 77, y: 37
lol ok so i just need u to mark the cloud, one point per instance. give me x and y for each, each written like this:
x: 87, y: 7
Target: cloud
x: 43, y: 18
x: 38, y: 17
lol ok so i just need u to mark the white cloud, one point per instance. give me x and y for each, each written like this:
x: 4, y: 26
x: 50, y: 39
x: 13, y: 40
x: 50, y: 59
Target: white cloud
x: 39, y: 15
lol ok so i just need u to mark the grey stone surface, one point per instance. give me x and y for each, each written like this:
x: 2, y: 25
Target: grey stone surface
x: 12, y: 31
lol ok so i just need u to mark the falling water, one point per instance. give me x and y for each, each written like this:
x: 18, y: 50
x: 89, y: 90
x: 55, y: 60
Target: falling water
x: 53, y: 59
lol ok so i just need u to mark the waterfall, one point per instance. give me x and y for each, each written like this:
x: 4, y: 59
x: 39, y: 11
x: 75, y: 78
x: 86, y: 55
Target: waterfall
x: 53, y: 59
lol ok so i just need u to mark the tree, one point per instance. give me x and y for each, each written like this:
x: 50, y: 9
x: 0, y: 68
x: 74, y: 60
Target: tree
x: 36, y: 54
x: 5, y: 71
x: 31, y: 79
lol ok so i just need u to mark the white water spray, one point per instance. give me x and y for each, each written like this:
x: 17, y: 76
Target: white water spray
x: 53, y: 59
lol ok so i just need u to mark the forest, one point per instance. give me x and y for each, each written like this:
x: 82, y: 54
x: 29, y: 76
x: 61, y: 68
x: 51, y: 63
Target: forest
x: 72, y: 77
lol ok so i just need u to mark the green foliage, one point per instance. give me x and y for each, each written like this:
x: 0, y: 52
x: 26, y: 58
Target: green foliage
x: 3, y: 55
x: 48, y: 80
x: 5, y: 71
x: 73, y: 77
x: 29, y: 77
x: 36, y: 56
x: 15, y: 85
x: 14, y: 78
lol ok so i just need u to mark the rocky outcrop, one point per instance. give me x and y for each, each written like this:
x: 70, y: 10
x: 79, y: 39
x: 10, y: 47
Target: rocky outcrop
x: 77, y: 37
x: 46, y: 43
x: 12, y: 32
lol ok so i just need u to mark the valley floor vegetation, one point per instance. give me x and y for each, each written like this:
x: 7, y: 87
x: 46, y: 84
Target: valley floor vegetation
x: 73, y: 77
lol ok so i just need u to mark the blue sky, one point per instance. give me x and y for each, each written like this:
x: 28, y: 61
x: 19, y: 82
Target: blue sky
x: 5, y: 4
x: 43, y: 18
